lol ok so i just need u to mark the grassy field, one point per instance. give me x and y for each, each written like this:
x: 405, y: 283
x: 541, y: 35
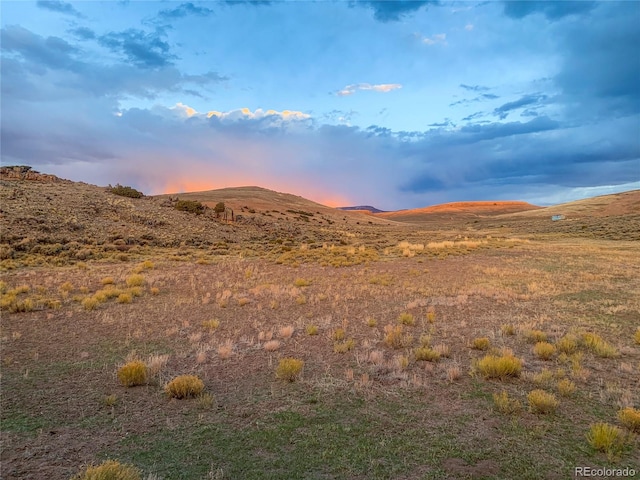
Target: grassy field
x: 428, y: 353
x: 364, y: 405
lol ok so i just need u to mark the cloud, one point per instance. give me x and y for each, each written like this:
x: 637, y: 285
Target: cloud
x: 474, y: 88
x: 394, y: 10
x: 40, y: 52
x: 143, y: 49
x: 468, y: 27
x: 503, y: 110
x: 83, y: 33
x: 438, y: 38
x: 59, y: 6
x: 552, y: 10
x: 183, y: 10
x: 36, y: 68
x: 600, y: 67
x: 384, y: 87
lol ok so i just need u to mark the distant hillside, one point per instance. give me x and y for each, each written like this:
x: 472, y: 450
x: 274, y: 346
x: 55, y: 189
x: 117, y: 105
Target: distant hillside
x: 616, y: 204
x: 252, y: 200
x: 458, y: 210
x: 363, y: 208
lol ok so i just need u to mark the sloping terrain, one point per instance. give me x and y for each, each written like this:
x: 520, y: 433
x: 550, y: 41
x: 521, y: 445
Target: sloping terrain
x: 458, y: 210
x: 617, y: 204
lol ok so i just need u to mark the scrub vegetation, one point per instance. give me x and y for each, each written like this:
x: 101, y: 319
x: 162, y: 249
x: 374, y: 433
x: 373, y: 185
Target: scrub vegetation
x: 141, y: 340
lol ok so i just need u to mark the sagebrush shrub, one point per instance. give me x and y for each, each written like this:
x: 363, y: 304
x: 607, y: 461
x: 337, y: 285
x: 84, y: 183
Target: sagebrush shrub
x: 133, y: 373
x: 109, y: 470
x: 184, y: 386
x: 190, y: 206
x: 125, y: 191
x: 289, y: 369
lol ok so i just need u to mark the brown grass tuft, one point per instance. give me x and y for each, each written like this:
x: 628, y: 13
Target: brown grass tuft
x: 493, y: 366
x: 289, y: 369
x: 630, y: 418
x: 542, y: 402
x: 133, y: 373
x: 109, y: 470
x: 184, y: 386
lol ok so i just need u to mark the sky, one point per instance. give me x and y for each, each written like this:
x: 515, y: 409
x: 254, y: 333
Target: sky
x: 395, y: 104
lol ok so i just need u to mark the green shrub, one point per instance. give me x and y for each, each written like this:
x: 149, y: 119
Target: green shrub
x: 109, y: 470
x: 190, y: 206
x: 124, y: 191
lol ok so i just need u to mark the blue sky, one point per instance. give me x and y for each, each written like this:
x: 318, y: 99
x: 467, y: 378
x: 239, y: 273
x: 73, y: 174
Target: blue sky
x: 395, y: 104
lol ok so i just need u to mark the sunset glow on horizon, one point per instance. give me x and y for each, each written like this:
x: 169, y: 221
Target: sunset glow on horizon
x: 393, y: 104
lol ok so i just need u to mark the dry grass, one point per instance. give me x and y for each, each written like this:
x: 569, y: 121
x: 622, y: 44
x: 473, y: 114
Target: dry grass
x: 109, y: 470
x: 287, y: 332
x: 542, y: 402
x: 135, y: 280
x: 338, y: 334
x: 225, y: 350
x: 184, y: 386
x: 481, y: 343
x: 301, y: 282
x: 598, y: 346
x: 311, y: 329
x: 272, y: 345
x: 508, y: 329
x: 289, y: 369
x: 133, y: 373
x: 566, y: 387
x: 212, y: 324
x: 505, y: 404
x: 124, y: 298
x: 544, y: 350
x: 426, y: 354
x: 395, y: 337
x: 607, y: 438
x: 567, y: 344
x: 630, y: 418
x: 535, y: 336
x: 493, y: 366
x: 453, y: 373
x: 636, y: 337
x: 406, y: 318
x: 344, y: 347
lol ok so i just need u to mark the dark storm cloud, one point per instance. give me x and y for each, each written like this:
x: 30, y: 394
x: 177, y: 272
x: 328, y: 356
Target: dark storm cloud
x: 600, y: 70
x: 504, y: 110
x: 185, y: 9
x: 394, y: 10
x: 59, y: 6
x: 142, y: 48
x: 552, y: 10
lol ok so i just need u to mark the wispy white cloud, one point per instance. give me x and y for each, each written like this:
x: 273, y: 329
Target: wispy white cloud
x: 468, y: 27
x: 435, y: 39
x: 383, y: 87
